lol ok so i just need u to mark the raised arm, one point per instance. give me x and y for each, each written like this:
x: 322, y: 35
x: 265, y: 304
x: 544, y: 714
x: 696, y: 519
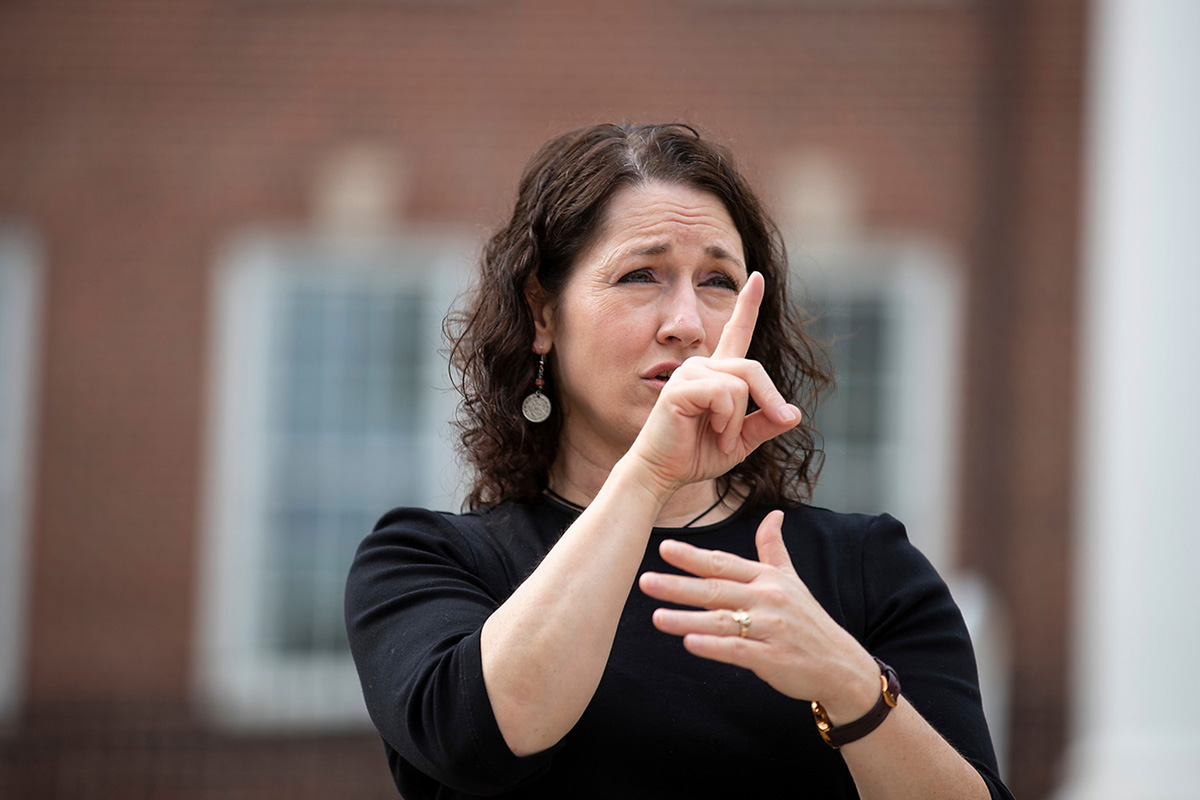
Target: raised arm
x: 544, y: 650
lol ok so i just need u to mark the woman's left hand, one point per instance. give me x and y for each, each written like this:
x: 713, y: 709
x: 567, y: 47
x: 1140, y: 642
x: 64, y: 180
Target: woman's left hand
x: 797, y: 648
x: 791, y: 642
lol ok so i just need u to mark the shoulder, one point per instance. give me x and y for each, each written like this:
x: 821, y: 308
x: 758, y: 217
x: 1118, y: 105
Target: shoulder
x: 859, y: 565
x: 408, y: 531
x: 505, y: 524
x: 840, y: 523
x: 878, y: 543
x: 858, y: 537
x: 498, y: 544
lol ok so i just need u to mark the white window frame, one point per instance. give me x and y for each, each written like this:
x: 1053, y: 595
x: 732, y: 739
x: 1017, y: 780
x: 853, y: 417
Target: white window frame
x: 20, y: 346
x: 242, y: 683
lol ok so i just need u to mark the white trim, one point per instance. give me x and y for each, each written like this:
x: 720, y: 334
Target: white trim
x: 241, y: 681
x: 1134, y: 636
x: 20, y: 348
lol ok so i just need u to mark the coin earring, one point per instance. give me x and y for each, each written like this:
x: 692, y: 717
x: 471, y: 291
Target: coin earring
x: 536, y: 407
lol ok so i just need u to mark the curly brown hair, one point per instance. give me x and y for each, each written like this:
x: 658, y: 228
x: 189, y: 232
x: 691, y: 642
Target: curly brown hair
x: 561, y: 199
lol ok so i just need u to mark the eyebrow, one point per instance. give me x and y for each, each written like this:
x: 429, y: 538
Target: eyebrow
x: 712, y: 251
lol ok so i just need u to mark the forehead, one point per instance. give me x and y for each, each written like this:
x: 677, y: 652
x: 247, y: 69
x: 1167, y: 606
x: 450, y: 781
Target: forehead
x: 662, y: 216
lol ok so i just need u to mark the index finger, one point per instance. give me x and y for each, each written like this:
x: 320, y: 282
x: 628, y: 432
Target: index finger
x: 735, y: 337
x: 708, y: 563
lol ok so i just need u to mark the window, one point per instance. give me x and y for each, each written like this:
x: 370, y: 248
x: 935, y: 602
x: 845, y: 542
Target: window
x: 20, y: 306
x: 891, y: 317
x: 330, y: 406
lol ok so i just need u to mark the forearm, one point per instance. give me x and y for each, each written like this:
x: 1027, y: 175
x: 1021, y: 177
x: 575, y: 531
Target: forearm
x: 545, y: 649
x: 905, y: 758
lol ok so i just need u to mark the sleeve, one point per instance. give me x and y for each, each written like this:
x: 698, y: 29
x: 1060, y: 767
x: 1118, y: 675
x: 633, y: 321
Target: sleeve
x: 913, y: 624
x: 416, y: 601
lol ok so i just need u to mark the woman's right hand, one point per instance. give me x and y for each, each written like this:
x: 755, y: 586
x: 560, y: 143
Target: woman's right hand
x: 699, y: 428
x: 544, y: 650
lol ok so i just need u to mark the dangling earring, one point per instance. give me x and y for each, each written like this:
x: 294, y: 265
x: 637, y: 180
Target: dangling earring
x: 536, y: 406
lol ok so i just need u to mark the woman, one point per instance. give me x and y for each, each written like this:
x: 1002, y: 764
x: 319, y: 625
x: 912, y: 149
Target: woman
x: 638, y: 604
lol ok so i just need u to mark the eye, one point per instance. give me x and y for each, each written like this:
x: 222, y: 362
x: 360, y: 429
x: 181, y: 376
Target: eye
x: 643, y: 275
x: 721, y: 281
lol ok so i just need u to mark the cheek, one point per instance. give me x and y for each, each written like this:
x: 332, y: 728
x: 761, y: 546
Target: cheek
x: 592, y: 338
x: 714, y: 324
x: 607, y: 324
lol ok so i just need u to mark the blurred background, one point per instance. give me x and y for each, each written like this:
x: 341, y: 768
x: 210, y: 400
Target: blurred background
x: 229, y: 230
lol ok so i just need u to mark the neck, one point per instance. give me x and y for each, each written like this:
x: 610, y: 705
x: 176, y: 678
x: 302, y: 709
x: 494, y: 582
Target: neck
x: 577, y: 476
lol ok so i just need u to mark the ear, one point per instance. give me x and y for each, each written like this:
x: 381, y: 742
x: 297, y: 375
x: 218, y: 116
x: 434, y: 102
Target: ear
x: 542, y: 306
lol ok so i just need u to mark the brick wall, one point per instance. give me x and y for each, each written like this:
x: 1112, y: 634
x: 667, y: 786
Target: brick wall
x: 137, y: 137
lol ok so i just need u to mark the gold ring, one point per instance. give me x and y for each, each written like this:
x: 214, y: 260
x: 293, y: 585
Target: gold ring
x: 742, y: 618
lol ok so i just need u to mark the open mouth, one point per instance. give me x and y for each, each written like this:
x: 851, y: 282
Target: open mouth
x: 662, y: 372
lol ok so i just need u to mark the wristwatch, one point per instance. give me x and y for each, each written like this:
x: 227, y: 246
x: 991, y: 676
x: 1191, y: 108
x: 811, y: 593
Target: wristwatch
x: 889, y: 695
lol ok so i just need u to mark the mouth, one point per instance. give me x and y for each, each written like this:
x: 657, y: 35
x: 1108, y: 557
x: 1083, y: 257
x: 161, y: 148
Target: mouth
x: 661, y: 373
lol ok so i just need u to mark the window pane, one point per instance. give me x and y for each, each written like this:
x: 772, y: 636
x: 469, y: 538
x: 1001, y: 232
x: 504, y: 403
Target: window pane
x: 852, y: 419
x: 19, y: 312
x: 346, y: 408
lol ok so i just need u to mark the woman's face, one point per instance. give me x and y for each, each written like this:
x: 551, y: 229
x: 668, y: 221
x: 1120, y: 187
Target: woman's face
x: 655, y: 287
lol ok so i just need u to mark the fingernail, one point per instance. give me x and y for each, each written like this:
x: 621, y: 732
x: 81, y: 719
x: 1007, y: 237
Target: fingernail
x: 789, y: 414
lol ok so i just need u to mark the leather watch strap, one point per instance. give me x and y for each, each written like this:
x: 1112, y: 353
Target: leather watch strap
x: 889, y: 695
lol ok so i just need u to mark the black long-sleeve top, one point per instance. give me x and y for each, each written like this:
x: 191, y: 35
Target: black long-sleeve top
x: 662, y: 723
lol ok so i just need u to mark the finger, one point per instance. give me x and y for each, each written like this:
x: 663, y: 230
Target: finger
x: 726, y: 649
x: 679, y: 622
x: 707, y: 593
x: 729, y: 434
x: 725, y: 413
x: 736, y: 336
x: 728, y: 438
x: 758, y: 428
x: 720, y: 394
x: 708, y: 563
x: 761, y: 387
x: 769, y: 541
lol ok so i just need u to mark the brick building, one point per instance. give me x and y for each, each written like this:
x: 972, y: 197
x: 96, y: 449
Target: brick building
x: 210, y: 211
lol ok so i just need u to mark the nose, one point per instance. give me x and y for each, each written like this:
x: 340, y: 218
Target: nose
x: 681, y: 322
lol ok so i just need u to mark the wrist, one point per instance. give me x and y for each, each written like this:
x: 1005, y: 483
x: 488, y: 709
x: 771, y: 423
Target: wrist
x: 631, y: 474
x: 631, y: 494
x: 838, y: 734
x: 856, y: 693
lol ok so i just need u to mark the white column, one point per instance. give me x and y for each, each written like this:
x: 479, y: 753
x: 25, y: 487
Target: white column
x: 1136, y: 687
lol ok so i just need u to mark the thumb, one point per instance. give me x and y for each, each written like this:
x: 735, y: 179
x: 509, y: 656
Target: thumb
x: 769, y: 541
x: 758, y: 427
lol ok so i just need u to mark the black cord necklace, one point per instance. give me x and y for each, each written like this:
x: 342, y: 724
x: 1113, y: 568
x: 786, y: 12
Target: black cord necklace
x: 558, y: 498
